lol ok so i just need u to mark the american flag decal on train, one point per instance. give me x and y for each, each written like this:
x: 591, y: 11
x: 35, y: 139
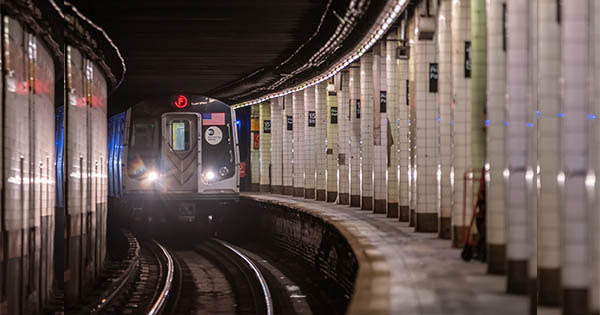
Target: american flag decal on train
x: 213, y: 119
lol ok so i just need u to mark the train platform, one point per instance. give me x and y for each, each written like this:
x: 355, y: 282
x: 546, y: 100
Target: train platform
x: 404, y: 272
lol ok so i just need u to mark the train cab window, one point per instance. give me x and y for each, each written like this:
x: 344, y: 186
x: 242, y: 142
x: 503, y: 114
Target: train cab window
x: 142, y: 136
x: 180, y: 132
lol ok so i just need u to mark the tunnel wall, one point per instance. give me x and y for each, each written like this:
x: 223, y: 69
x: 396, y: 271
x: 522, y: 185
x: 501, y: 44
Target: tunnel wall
x: 86, y: 185
x: 28, y: 174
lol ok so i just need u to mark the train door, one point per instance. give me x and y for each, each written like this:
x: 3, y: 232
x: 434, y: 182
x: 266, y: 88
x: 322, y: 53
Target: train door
x: 180, y: 151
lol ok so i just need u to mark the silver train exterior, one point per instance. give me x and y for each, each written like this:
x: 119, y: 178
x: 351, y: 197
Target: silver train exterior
x: 178, y: 158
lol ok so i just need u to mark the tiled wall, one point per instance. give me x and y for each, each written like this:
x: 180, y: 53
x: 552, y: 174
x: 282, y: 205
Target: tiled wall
x: 344, y: 138
x: 287, y: 143
x: 354, y: 87
x: 595, y: 220
x: 379, y: 130
x: 277, y: 144
x: 309, y: 144
x: 393, y: 104
x: 254, y: 152
x: 265, y: 146
x: 332, y: 148
x: 366, y: 131
x: 403, y: 139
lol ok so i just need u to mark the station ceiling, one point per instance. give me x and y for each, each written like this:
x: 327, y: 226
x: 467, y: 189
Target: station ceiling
x: 233, y: 50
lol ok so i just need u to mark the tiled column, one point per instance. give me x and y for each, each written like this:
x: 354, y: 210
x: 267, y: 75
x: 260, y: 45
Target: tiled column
x: 594, y: 222
x: 461, y: 91
x: 478, y: 91
x: 518, y: 68
x: 332, y: 152
x: 321, y: 139
x: 403, y: 136
x: 496, y: 95
x: 355, y: 115
x: 393, y: 104
x: 574, y: 152
x: 548, y: 60
x: 277, y: 145
x: 264, y: 152
x: 254, y: 147
x: 344, y: 121
x: 298, y: 144
x: 379, y: 130
x: 366, y: 131
x: 412, y: 123
x: 310, y: 142
x: 427, y: 144
x: 445, y: 106
x: 288, y: 165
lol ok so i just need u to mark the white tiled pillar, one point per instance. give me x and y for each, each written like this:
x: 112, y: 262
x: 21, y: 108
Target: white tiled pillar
x: 576, y: 64
x: 366, y: 131
x: 264, y: 152
x: 277, y: 116
x: 549, y: 71
x: 461, y: 91
x: 332, y: 150
x: 496, y: 96
x: 321, y: 139
x: 379, y: 129
x: 288, y: 157
x: 412, y: 123
x: 403, y: 133
x: 445, y: 105
x: 355, y: 115
x: 518, y: 85
x: 310, y: 142
x: 298, y: 145
x: 427, y: 129
x: 594, y: 221
x: 393, y: 104
x: 343, y: 160
x: 254, y: 147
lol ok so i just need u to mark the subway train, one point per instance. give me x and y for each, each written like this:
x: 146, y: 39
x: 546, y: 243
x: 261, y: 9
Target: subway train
x: 174, y: 159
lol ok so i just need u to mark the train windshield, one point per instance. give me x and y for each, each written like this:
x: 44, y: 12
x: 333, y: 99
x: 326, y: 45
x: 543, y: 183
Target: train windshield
x: 181, y: 135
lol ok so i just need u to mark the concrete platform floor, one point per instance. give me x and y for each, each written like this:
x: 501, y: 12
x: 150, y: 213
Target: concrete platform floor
x: 426, y: 275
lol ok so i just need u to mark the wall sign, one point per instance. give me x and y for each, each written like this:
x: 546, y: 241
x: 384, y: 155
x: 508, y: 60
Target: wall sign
x: 433, y: 77
x: 467, y: 59
x: 382, y: 101
x: 256, y: 142
x: 312, y: 119
x: 358, y: 108
x: 290, y: 123
x: 333, y: 114
x: 266, y: 126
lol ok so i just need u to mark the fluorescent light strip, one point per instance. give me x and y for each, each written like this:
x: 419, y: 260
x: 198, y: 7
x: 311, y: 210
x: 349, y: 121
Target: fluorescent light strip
x: 105, y: 36
x: 374, y: 36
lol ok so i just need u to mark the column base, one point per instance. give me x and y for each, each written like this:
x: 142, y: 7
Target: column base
x: 426, y: 222
x: 549, y: 286
x: 575, y: 302
x: 321, y: 195
x: 392, y: 210
x: 458, y: 235
x: 355, y: 201
x: 344, y: 199
x: 309, y: 193
x: 517, y: 277
x: 298, y: 192
x: 533, y: 296
x: 445, y: 231
x: 288, y: 190
x: 366, y: 203
x: 277, y: 189
x: 380, y: 206
x: 331, y: 196
x: 403, y: 214
x: 412, y: 218
x: 264, y: 188
x: 255, y: 187
x: 496, y: 259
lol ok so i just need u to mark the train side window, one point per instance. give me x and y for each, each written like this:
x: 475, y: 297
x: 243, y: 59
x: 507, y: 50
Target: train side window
x: 142, y: 136
x: 180, y: 132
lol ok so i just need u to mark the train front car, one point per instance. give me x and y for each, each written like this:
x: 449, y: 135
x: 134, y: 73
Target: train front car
x: 182, y: 159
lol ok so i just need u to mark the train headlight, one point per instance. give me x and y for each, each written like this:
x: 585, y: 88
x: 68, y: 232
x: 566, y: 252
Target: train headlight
x: 209, y: 175
x: 152, y: 176
x: 223, y: 171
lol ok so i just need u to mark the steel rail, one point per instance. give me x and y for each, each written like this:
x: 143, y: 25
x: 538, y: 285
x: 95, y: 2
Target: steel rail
x: 257, y: 273
x: 162, y: 298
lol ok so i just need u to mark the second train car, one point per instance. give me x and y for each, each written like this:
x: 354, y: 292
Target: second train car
x: 174, y: 159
